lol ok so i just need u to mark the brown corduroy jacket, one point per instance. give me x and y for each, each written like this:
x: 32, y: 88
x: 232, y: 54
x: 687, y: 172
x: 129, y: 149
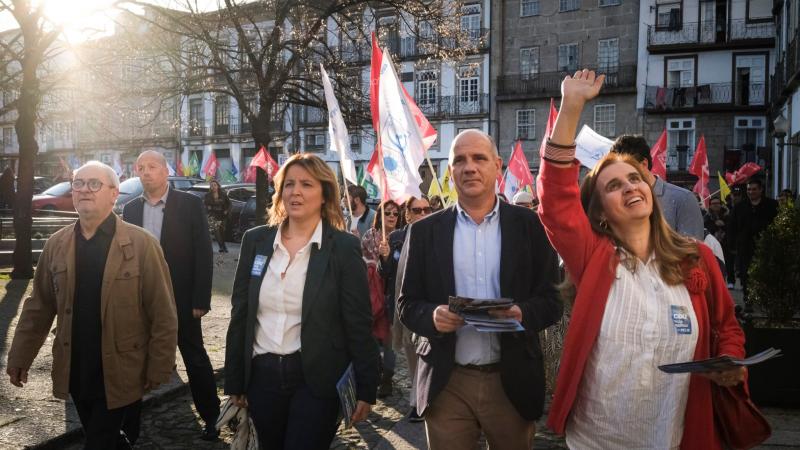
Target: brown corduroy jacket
x: 137, y: 310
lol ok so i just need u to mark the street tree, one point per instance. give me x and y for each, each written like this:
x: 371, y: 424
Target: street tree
x: 265, y: 54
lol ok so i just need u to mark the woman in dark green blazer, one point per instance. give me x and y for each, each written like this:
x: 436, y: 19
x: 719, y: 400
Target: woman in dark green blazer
x: 301, y: 314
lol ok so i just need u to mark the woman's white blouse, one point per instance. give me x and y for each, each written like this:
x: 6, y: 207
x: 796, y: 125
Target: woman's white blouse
x: 280, y: 299
x: 624, y: 401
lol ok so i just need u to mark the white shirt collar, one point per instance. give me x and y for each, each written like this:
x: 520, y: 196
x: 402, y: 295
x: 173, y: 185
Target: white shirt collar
x: 316, y: 237
x: 488, y: 217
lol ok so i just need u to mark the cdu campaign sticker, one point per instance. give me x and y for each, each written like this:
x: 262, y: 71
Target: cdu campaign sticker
x: 258, y: 265
x: 681, y: 319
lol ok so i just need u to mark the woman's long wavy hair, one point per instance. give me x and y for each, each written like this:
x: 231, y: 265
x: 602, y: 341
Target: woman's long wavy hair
x: 331, y: 212
x: 673, y: 252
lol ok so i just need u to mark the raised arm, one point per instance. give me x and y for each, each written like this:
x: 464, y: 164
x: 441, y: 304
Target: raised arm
x: 560, y: 209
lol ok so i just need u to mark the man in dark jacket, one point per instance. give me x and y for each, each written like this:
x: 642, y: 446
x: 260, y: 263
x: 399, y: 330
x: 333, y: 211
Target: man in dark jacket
x: 470, y: 381
x: 178, y: 220
x: 748, y: 219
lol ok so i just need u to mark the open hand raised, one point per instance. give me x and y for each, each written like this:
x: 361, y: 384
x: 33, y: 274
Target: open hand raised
x: 581, y: 87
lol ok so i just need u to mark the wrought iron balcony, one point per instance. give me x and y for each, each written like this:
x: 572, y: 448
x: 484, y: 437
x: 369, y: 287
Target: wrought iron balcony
x: 706, y: 97
x: 711, y: 33
x: 360, y: 51
x: 548, y: 84
x: 453, y: 106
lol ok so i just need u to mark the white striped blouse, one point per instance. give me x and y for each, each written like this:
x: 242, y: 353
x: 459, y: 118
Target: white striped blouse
x: 624, y: 401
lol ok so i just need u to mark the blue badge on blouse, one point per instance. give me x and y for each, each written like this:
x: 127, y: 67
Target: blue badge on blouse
x: 681, y: 319
x: 258, y: 265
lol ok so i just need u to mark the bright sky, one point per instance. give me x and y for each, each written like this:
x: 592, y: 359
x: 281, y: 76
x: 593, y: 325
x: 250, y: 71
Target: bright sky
x: 84, y: 19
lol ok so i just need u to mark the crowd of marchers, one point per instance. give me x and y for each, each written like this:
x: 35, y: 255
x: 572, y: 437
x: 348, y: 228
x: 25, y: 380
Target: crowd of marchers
x: 325, y: 285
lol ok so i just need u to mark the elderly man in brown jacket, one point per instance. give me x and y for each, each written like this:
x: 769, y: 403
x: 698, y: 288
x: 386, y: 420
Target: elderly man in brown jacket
x: 107, y: 284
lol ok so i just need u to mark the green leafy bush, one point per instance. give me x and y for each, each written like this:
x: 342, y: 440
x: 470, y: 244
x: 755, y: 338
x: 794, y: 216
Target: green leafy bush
x: 774, y: 284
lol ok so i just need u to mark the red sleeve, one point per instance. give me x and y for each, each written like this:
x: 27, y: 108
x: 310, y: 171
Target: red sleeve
x: 731, y: 336
x: 562, y: 215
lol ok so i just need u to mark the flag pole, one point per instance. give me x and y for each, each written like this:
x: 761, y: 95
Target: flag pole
x: 346, y: 193
x: 434, y: 173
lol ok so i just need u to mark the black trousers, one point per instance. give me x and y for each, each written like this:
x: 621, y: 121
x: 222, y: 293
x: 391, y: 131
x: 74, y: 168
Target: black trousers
x: 199, y: 370
x: 286, y: 414
x: 102, y: 426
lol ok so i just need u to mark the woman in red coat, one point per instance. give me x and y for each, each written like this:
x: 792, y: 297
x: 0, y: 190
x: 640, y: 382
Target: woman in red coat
x: 643, y: 296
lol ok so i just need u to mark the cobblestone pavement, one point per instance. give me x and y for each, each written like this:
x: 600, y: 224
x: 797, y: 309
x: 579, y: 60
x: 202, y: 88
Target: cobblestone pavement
x: 31, y: 416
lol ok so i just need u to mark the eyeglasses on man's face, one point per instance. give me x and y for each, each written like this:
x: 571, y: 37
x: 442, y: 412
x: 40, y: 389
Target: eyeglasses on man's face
x: 93, y: 184
x: 424, y: 209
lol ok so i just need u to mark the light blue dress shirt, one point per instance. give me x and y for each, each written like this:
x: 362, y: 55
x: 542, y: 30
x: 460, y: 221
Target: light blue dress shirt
x: 476, y: 266
x: 153, y: 214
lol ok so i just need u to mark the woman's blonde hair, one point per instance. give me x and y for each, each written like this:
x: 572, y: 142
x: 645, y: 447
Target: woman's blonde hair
x: 673, y: 252
x: 331, y: 211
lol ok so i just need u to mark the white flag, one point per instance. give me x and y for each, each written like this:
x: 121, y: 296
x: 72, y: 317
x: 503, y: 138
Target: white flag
x: 590, y: 147
x: 402, y: 141
x: 337, y: 131
x: 117, y: 164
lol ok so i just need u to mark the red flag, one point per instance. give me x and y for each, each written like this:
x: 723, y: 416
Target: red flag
x: 659, y: 155
x: 375, y: 170
x: 179, y: 169
x: 263, y: 160
x: 548, y: 129
x: 500, y: 186
x: 699, y: 168
x: 743, y: 174
x: 210, y: 169
x: 374, y: 80
x: 518, y: 166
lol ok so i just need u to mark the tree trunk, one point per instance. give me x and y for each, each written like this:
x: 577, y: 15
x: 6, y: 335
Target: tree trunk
x: 262, y: 138
x: 28, y: 148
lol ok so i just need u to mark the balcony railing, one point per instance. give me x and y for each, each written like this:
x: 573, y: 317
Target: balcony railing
x: 708, y: 96
x: 454, y: 106
x: 413, y: 46
x: 709, y: 32
x: 547, y: 84
x: 311, y: 115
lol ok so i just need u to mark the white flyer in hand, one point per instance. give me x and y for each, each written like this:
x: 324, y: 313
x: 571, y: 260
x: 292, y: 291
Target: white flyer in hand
x: 590, y: 147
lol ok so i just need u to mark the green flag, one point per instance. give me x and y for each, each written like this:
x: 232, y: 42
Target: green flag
x: 194, y: 165
x: 227, y: 177
x: 365, y: 181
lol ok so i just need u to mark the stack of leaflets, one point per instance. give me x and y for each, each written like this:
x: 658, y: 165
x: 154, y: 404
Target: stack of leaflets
x: 346, y: 386
x: 720, y: 363
x: 476, y: 313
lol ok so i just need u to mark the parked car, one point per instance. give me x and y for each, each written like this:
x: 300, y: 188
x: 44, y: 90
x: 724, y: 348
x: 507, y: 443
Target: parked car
x: 57, y: 198
x: 238, y: 194
x: 132, y: 188
x: 40, y: 184
x: 247, y: 218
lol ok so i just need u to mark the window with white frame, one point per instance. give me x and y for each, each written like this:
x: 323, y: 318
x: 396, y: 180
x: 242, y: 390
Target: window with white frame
x: 427, y: 87
x: 608, y: 3
x: 568, y: 5
x: 528, y: 61
x: 669, y: 14
x: 315, y: 141
x: 568, y: 57
x: 608, y: 55
x: 526, y: 124
x: 749, y: 132
x: 680, y: 143
x: 680, y: 72
x: 528, y: 8
x: 605, y: 120
x: 471, y: 20
x: 468, y: 82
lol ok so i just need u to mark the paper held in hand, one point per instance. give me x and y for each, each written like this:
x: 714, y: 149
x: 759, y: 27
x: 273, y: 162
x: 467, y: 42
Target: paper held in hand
x: 475, y: 312
x: 720, y: 363
x: 346, y: 386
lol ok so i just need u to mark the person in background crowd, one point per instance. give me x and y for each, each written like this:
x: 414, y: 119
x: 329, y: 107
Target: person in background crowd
x: 178, y: 221
x: 375, y: 248
x: 7, y: 189
x: 107, y: 285
x: 785, y: 196
x: 362, y: 217
x: 681, y: 208
x: 470, y: 381
x: 524, y: 199
x: 610, y: 392
x: 414, y: 209
x: 747, y: 221
x: 715, y: 222
x: 436, y: 203
x: 218, y: 206
x: 300, y: 314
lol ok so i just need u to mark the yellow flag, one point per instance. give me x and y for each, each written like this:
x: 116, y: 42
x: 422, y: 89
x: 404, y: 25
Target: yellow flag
x: 449, y: 194
x: 724, y: 189
x: 434, y: 188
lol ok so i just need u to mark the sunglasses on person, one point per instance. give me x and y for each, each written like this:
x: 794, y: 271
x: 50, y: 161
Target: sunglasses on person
x: 392, y: 213
x: 424, y: 209
x: 93, y: 184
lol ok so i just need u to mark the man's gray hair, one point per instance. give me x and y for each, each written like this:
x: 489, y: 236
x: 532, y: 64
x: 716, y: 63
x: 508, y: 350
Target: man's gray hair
x: 466, y: 132
x: 112, y: 176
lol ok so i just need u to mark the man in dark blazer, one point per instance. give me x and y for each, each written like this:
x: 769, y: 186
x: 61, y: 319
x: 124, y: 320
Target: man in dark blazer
x: 470, y: 382
x: 178, y: 220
